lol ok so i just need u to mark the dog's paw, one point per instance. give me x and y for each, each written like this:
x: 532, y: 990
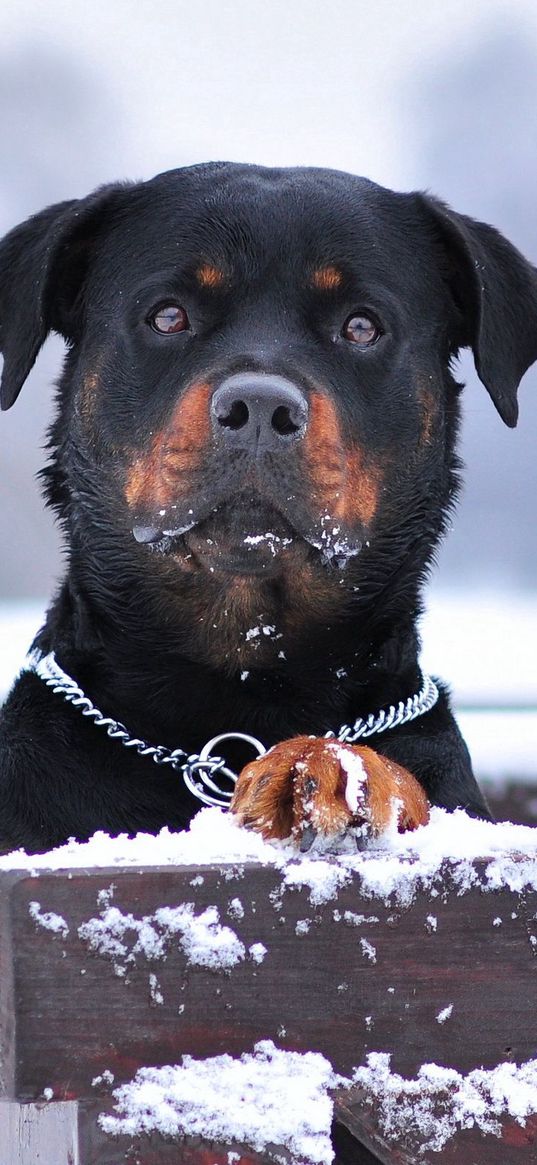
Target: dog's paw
x: 312, y: 787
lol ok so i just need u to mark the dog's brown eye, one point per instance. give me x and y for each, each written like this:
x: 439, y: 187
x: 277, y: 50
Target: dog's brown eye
x: 169, y: 318
x: 361, y: 330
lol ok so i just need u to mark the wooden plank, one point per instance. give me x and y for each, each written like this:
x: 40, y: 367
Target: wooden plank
x: 318, y: 991
x: 38, y: 1134
x: 374, y: 980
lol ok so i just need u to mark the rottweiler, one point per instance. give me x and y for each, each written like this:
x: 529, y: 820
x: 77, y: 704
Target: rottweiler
x: 253, y: 460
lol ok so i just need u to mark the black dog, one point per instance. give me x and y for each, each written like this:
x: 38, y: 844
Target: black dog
x: 253, y: 463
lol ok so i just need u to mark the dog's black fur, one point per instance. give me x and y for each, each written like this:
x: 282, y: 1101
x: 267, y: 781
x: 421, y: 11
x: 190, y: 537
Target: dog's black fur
x: 269, y: 264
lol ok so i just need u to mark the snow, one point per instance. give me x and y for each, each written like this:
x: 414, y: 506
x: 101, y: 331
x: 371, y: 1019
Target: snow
x: 356, y: 775
x: 235, y: 908
x: 483, y: 644
x: 105, y: 1078
x: 323, y: 878
x: 352, y: 919
x: 48, y: 920
x: 267, y: 1097
x: 257, y: 952
x: 502, y: 744
x: 154, y: 989
x: 394, y: 866
x: 440, y: 1101
x: 271, y: 539
x: 303, y: 926
x: 277, y: 1098
x: 368, y: 950
x: 122, y: 937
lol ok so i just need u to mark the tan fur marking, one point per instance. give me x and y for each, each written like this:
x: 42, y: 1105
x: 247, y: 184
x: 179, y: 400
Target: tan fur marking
x: 360, y: 497
x: 326, y: 278
x: 209, y: 276
x: 90, y: 383
x: 157, y: 477
x: 343, y: 481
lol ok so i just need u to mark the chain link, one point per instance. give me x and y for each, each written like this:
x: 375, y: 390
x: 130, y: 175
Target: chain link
x: 198, y: 769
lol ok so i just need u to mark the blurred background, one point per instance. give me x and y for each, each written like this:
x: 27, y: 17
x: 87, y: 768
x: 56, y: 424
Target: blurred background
x: 433, y: 96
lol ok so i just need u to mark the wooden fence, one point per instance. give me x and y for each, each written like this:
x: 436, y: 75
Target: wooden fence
x: 68, y: 1014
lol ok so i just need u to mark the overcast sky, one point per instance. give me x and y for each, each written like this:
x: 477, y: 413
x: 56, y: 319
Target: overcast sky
x: 423, y: 94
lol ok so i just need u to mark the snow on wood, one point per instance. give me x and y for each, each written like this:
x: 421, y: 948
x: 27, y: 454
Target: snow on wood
x: 267, y: 1097
x: 396, y: 865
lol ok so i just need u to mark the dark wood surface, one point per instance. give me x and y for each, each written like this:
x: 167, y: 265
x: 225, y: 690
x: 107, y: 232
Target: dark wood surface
x: 74, y: 1017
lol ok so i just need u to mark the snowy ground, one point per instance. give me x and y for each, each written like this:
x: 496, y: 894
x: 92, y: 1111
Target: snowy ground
x: 482, y: 644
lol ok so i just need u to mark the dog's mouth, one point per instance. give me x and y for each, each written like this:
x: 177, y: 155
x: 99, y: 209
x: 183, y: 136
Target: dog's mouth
x: 248, y: 537
x: 220, y: 543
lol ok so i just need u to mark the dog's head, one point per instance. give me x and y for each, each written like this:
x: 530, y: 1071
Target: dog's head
x: 257, y: 385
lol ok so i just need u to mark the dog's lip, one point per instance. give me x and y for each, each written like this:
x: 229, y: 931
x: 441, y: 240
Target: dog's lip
x: 150, y: 534
x: 332, y: 544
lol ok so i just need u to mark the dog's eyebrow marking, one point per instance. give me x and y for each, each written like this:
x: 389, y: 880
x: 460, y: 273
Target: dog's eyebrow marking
x: 327, y: 278
x: 209, y: 276
x: 158, y: 476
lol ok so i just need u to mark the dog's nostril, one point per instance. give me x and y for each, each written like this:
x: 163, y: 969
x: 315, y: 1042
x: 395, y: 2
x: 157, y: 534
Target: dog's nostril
x: 236, y: 417
x: 283, y: 422
x: 258, y: 412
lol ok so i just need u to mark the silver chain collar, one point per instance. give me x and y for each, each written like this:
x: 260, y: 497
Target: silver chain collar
x: 199, y: 769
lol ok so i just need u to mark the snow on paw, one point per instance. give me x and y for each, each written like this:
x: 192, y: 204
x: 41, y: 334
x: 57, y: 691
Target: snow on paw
x: 313, y: 787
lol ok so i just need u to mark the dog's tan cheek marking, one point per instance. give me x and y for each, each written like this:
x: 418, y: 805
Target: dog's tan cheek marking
x: 142, y: 487
x: 327, y: 278
x: 162, y: 475
x: 345, y: 483
x: 360, y: 496
x: 209, y: 276
x: 323, y: 450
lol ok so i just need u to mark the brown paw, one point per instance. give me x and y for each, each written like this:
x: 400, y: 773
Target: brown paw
x: 310, y: 785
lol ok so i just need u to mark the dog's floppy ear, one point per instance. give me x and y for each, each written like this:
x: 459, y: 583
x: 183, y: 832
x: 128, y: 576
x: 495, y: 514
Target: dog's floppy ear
x: 42, y: 264
x: 495, y: 288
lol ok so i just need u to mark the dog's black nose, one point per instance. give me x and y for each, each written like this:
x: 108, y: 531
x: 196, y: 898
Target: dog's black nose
x: 258, y: 412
